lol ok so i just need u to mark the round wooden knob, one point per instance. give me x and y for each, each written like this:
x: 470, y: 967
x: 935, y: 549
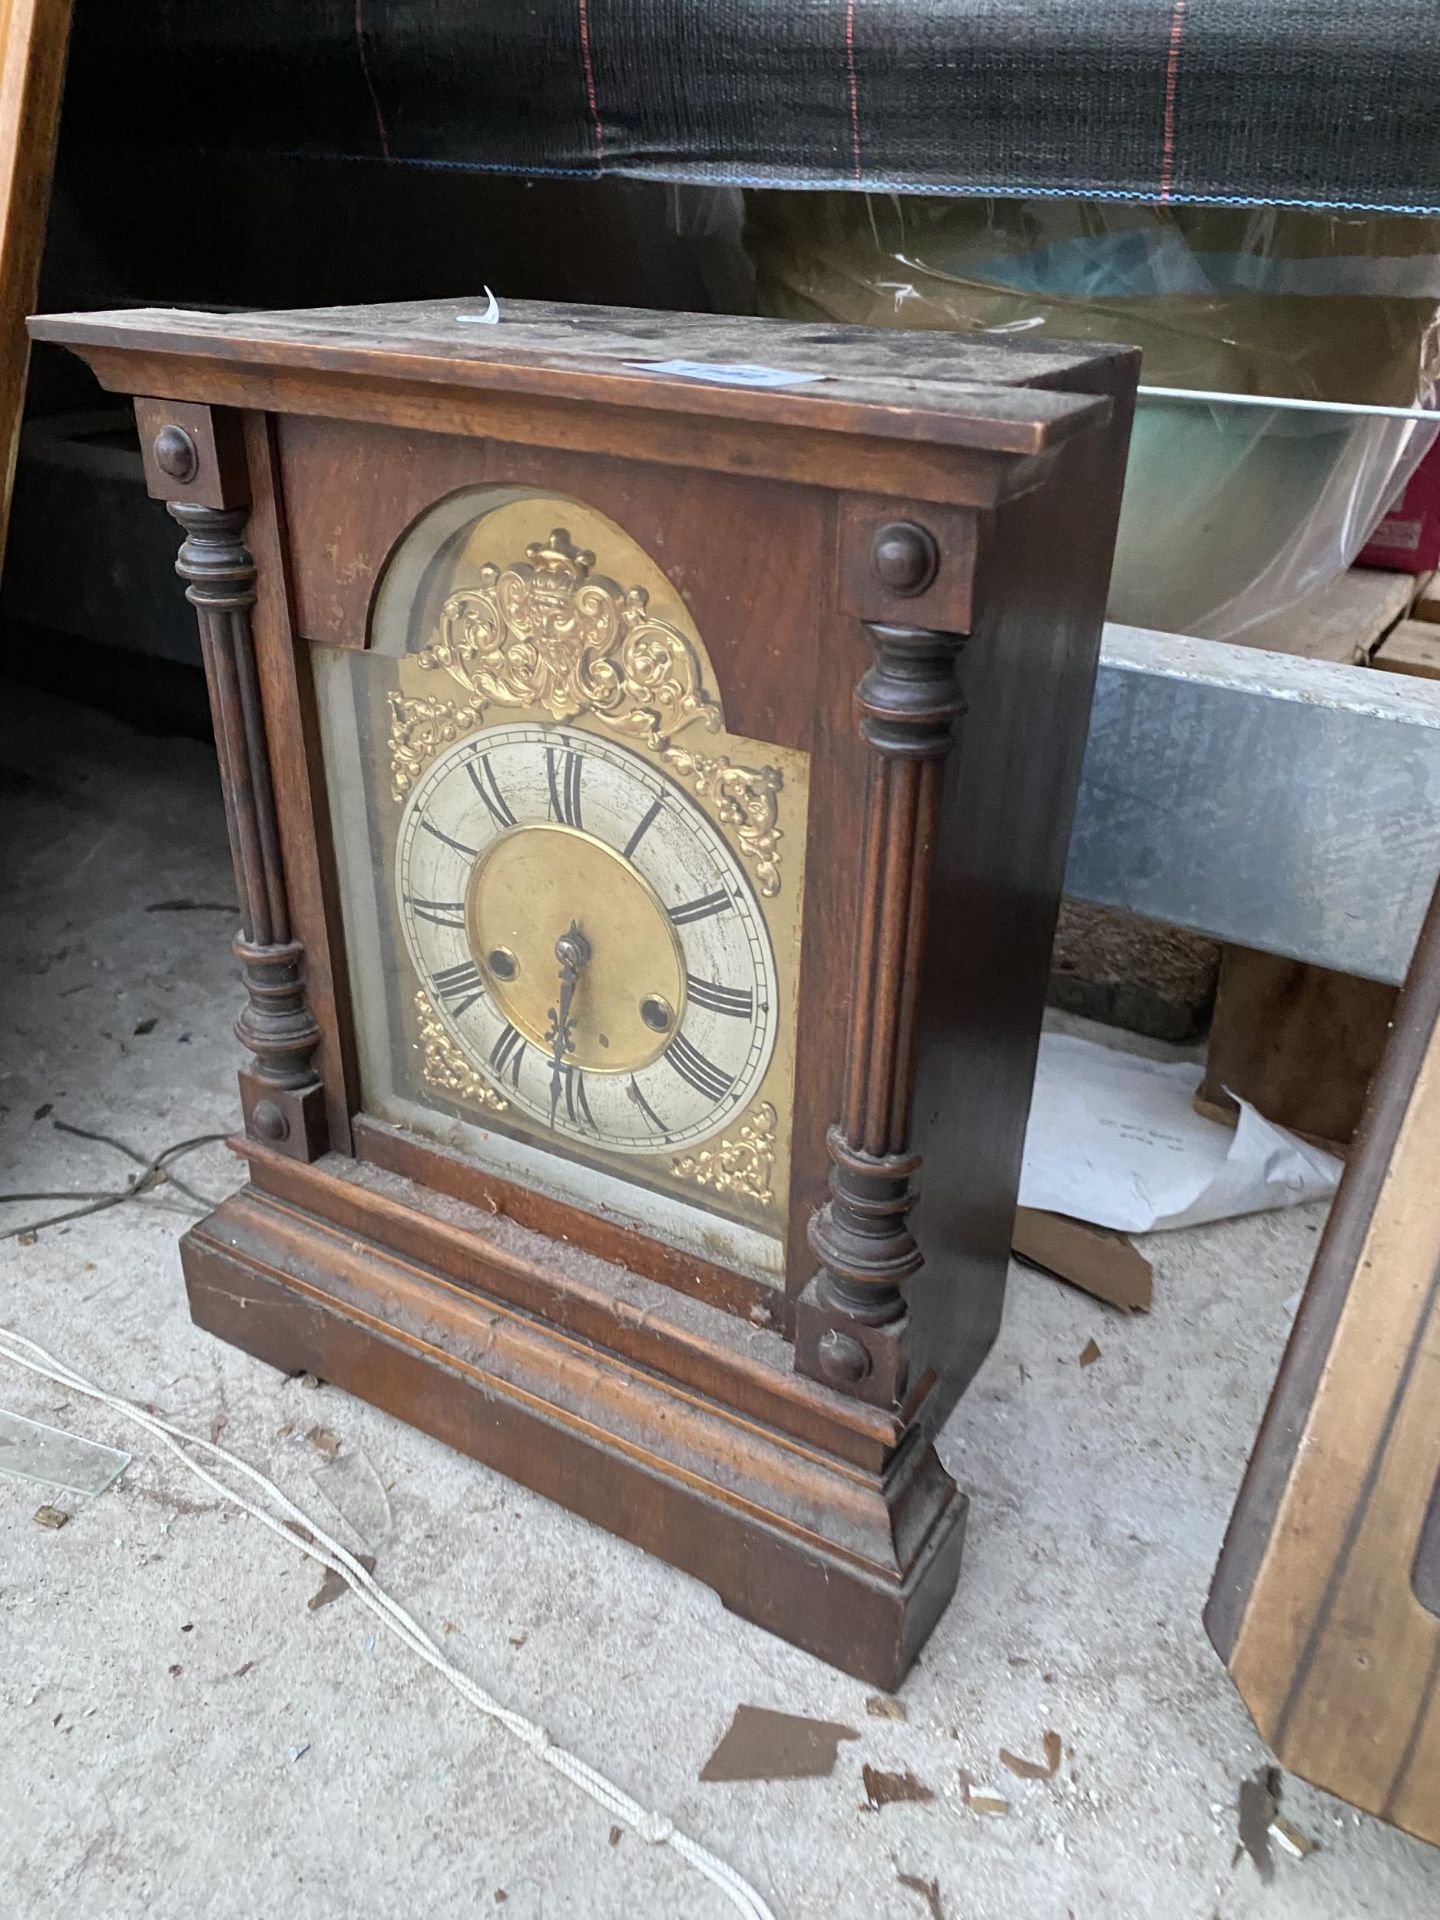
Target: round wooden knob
x: 905, y: 556
x: 176, y: 453
x: 842, y: 1359
x: 268, y: 1121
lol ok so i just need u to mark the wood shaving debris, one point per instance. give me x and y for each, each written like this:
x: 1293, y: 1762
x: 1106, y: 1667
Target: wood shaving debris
x: 335, y: 1583
x: 880, y: 1706
x: 928, y: 1890
x: 617, y: 1834
x: 324, y: 1441
x: 986, y: 1804
x: 1045, y: 1769
x: 1297, y: 1844
x: 1258, y: 1805
x: 884, y: 1789
x: 1089, y: 1354
x: 52, y: 1517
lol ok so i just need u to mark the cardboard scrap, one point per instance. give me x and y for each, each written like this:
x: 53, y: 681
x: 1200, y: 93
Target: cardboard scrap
x: 1045, y: 1769
x: 884, y: 1789
x: 1096, y: 1259
x: 760, y: 1744
x: 1089, y: 1354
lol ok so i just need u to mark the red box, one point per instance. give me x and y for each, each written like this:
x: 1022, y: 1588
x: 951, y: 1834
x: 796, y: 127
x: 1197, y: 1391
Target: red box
x: 1407, y: 540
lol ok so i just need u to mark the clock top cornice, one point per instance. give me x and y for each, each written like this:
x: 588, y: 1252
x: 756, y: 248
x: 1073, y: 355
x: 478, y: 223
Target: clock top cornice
x: 958, y: 419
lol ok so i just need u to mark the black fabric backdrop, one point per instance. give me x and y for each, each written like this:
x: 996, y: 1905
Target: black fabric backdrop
x: 1313, y: 102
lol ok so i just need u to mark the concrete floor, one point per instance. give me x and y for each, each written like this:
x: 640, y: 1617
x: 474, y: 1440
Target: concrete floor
x: 159, y: 1666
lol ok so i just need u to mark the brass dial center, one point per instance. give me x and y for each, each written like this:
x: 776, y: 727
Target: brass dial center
x: 527, y: 892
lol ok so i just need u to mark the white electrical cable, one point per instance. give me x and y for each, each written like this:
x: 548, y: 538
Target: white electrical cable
x: 651, y: 1827
x: 1287, y: 404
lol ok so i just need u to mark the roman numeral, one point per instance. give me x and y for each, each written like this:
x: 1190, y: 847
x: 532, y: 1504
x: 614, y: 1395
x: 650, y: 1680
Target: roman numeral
x: 576, y: 1105
x: 645, y: 1107
x: 459, y: 986
x: 506, y: 1055
x: 482, y: 778
x: 692, y: 1066
x: 732, y: 1000
x: 440, y: 913
x: 700, y: 909
x: 640, y: 832
x: 562, y: 771
x: 458, y: 845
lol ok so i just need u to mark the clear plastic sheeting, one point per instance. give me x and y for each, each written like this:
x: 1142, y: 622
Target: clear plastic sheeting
x: 1231, y: 514
x: 1234, y: 514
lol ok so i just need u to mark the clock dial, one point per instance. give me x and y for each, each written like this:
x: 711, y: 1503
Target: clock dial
x: 587, y: 937
x: 573, y: 898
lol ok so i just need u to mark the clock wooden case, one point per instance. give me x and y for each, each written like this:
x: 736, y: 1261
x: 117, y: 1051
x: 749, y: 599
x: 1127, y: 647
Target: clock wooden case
x: 648, y: 744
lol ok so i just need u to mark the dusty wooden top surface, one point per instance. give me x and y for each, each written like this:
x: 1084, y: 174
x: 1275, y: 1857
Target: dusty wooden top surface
x: 1011, y: 396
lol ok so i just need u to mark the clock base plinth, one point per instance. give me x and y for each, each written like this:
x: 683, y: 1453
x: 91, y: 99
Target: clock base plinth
x: 832, y: 1526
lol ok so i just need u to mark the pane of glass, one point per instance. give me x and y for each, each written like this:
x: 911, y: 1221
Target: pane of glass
x: 53, y: 1458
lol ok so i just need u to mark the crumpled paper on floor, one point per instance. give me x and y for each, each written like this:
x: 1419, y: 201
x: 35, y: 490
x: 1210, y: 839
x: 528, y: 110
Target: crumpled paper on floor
x: 1114, y: 1139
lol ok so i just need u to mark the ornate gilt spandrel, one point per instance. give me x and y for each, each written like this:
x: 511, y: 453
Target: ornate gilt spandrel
x: 445, y: 1070
x: 741, y: 1164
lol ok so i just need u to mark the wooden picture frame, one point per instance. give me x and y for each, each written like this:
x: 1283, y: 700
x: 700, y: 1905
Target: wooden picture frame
x: 34, y: 35
x: 1326, y: 1602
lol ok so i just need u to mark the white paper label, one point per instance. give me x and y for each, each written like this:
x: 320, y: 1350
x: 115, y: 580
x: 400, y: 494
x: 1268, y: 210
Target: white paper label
x: 727, y: 374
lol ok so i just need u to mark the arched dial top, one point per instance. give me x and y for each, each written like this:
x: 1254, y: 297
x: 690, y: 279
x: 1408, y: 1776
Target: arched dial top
x: 587, y: 937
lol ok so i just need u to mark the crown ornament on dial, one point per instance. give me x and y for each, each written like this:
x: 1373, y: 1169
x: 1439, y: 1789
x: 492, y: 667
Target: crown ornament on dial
x: 550, y: 635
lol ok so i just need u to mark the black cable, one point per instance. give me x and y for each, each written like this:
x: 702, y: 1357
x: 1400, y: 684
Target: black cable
x: 148, y: 1177
x: 131, y: 1153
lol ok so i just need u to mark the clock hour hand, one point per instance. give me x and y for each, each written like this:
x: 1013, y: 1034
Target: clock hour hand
x: 572, y: 950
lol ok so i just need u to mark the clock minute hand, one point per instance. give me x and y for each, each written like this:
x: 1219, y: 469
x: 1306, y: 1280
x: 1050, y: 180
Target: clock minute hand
x: 572, y: 950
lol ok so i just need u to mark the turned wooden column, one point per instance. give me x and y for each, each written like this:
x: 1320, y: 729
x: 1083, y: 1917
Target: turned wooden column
x: 185, y: 460
x: 852, y: 1324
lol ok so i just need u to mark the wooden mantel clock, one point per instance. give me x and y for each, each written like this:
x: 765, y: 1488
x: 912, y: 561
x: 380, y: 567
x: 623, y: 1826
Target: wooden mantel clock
x: 644, y: 965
